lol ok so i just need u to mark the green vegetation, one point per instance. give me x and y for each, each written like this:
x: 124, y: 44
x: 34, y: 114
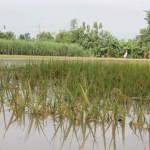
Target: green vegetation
x: 80, y: 93
x: 77, y: 90
x: 77, y: 95
x: 94, y: 41
x: 44, y: 48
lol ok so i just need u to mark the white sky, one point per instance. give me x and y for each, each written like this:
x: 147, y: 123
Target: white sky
x: 122, y: 18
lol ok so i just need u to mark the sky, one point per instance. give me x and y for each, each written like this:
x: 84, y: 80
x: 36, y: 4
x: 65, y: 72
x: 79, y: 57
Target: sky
x: 122, y: 18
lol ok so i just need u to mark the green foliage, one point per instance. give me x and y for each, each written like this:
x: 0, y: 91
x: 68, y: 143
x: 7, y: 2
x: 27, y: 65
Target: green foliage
x: 21, y: 37
x: 100, y: 42
x: 25, y: 36
x: 45, y: 48
x: 143, y: 39
x: 91, y: 78
x: 78, y: 90
x: 91, y: 40
x: 7, y: 35
x: 73, y: 24
x: 45, y: 36
x: 148, y: 17
x: 64, y: 37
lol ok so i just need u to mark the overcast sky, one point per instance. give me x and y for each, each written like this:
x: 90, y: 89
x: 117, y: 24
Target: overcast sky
x: 122, y: 18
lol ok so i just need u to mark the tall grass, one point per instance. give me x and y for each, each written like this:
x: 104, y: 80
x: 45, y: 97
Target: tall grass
x: 18, y: 47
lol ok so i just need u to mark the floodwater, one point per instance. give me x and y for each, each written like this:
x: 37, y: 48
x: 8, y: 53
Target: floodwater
x: 29, y: 132
x: 23, y: 61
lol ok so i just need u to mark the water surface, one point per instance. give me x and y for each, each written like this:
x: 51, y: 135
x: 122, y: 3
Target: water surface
x: 28, y: 132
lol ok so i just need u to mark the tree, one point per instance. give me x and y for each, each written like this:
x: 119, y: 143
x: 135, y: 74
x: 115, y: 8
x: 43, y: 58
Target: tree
x: 73, y: 24
x: 45, y: 36
x: 9, y: 35
x: 21, y: 37
x: 148, y: 17
x: 144, y: 37
x: 64, y: 37
x: 25, y: 36
x: 133, y: 48
x: 2, y: 35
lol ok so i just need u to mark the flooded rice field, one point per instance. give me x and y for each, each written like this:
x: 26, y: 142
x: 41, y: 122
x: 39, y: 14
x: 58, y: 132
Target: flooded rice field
x: 74, y: 105
x: 28, y: 132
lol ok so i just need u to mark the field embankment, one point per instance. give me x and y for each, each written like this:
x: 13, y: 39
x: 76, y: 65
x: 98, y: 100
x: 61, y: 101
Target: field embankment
x: 32, y: 57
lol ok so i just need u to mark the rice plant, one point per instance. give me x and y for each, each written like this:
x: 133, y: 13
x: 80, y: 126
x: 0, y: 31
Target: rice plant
x: 81, y: 91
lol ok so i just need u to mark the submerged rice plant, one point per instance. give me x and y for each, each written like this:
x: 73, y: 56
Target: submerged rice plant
x: 82, y: 91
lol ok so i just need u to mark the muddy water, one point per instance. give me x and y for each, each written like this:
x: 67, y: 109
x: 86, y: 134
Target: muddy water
x: 29, y: 132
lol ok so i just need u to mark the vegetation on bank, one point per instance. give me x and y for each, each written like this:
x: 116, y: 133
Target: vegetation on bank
x: 43, y: 48
x: 99, y: 42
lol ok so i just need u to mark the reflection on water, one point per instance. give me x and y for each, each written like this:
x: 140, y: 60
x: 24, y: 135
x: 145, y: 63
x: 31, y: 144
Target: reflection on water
x: 27, y: 132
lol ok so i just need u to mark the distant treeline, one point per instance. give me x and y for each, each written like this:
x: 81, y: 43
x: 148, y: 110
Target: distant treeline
x: 82, y: 40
